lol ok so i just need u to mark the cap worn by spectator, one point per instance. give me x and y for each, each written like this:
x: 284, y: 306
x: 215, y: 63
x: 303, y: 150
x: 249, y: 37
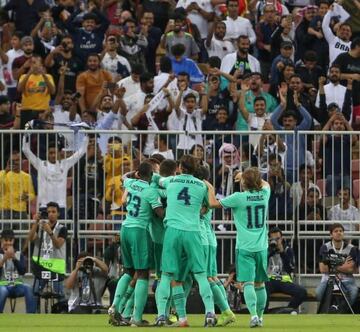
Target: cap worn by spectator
x: 7, y: 234
x: 286, y: 44
x: 27, y: 39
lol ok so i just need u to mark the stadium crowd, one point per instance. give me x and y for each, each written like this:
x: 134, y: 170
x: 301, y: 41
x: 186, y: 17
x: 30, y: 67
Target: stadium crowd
x: 218, y: 66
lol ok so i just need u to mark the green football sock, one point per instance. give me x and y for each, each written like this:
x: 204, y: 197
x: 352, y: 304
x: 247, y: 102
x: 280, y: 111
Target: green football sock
x: 187, y: 285
x: 179, y: 301
x: 163, y: 294
x: 218, y: 297
x: 141, y: 296
x: 250, y: 298
x: 121, y: 287
x: 125, y: 298
x: 222, y: 289
x: 129, y: 307
x: 205, y: 292
x: 261, y: 297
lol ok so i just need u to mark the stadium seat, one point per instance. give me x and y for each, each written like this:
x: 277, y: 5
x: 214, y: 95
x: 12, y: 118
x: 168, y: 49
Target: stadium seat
x: 322, y: 185
x: 356, y: 188
x: 355, y: 166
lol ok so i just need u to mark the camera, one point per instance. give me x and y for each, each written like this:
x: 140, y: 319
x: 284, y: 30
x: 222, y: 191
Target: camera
x: 273, y: 247
x: 334, y: 259
x: 43, y: 214
x: 87, y: 265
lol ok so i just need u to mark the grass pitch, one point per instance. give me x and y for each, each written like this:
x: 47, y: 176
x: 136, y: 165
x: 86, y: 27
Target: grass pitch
x: 89, y: 323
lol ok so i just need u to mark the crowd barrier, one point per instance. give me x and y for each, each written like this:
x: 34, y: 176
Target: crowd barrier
x: 92, y: 211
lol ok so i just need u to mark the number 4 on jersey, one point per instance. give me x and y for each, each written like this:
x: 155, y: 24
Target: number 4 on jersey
x: 183, y: 195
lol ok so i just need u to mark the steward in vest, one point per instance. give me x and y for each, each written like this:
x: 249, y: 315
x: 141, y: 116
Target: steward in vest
x: 12, y: 267
x: 49, y: 238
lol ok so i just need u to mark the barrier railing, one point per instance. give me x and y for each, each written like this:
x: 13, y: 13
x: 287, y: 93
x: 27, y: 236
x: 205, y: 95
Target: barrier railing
x: 89, y: 190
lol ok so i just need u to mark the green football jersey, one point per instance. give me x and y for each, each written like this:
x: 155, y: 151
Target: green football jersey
x: 157, y: 226
x: 141, y: 200
x: 185, y: 197
x: 210, y: 233
x: 203, y: 231
x: 250, y: 212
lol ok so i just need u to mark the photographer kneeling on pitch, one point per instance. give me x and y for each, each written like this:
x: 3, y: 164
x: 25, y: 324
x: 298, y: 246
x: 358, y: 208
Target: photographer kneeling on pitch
x: 49, y: 253
x: 87, y: 283
x: 281, y: 265
x: 339, y: 258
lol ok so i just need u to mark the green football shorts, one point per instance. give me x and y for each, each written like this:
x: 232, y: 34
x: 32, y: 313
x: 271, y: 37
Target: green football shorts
x: 251, y: 266
x: 182, y: 249
x: 136, y: 248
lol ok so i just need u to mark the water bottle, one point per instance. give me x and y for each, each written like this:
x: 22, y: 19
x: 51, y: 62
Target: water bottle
x: 241, y: 68
x: 7, y: 76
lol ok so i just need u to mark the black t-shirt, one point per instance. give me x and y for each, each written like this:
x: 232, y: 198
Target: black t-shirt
x: 75, y: 66
x: 215, y: 102
x: 350, y: 65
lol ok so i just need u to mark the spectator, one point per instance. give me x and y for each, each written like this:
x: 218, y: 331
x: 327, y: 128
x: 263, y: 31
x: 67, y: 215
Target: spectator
x: 340, y: 42
x: 281, y: 267
x: 58, y: 170
x: 49, y: 253
x: 86, y: 283
x: 181, y: 63
x: 349, y: 64
x: 16, y: 189
x: 215, y: 43
x: 133, y: 45
x: 278, y: 64
x: 15, y: 52
x: 289, y: 122
x: 89, y: 38
x: 345, y: 271
x: 189, y: 119
x: 165, y: 77
x: 36, y: 88
x: 160, y: 9
x: 304, y: 40
x: 90, y: 82
x: 334, y: 91
x: 21, y: 65
x: 26, y: 14
x: 312, y: 208
x: 283, y: 33
x: 264, y: 31
x: 63, y: 55
x: 345, y: 211
x: 6, y: 123
x: 309, y: 72
x: 153, y: 37
x: 236, y: 25
x: 337, y: 169
x: 280, y: 204
x: 114, y: 63
x: 162, y: 147
x: 299, y: 189
x: 174, y: 34
x: 131, y: 84
x: 12, y: 267
x: 90, y: 184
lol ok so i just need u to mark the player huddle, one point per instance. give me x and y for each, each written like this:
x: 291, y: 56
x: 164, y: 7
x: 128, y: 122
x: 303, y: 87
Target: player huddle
x: 168, y: 227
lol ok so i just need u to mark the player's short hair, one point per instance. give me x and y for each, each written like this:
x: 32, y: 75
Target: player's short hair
x: 168, y: 167
x: 145, y: 170
x: 188, y: 163
x: 251, y: 179
x: 153, y: 161
x: 334, y: 226
x: 159, y: 157
x: 202, y: 172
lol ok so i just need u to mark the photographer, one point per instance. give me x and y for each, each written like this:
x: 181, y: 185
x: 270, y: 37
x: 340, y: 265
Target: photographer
x: 49, y: 253
x: 344, y: 271
x: 87, y: 283
x: 280, y: 267
x: 12, y: 267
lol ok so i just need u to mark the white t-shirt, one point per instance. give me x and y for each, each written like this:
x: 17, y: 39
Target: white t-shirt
x: 12, y: 55
x: 195, y: 18
x: 111, y: 64
x: 130, y: 86
x: 239, y: 26
x: 220, y: 48
x: 351, y: 214
x: 333, y: 94
x: 166, y: 154
x: 256, y: 123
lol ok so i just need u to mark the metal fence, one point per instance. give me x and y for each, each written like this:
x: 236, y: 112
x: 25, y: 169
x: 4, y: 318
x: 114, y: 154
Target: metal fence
x: 304, y: 169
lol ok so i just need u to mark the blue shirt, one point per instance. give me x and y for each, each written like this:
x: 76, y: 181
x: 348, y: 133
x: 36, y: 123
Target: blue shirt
x: 188, y: 66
